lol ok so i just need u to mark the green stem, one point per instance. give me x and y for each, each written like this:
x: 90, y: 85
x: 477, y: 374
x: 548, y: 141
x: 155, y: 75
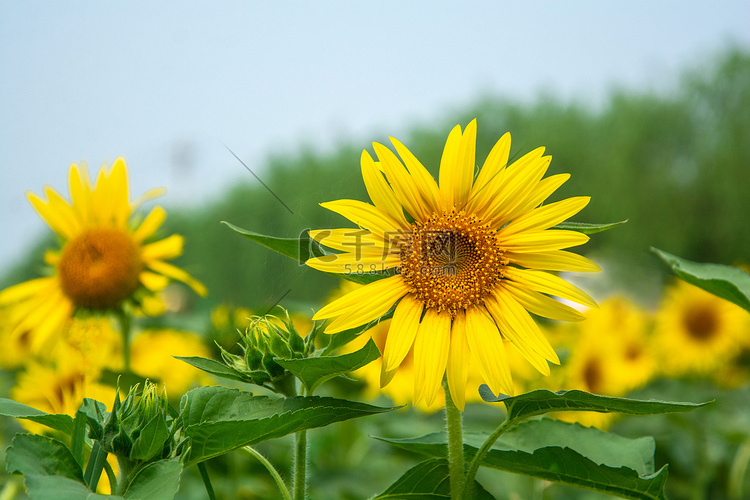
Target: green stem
x: 738, y: 471
x: 477, y: 460
x: 276, y: 476
x: 300, y: 465
x: 454, y: 425
x: 206, y: 480
x: 124, y: 320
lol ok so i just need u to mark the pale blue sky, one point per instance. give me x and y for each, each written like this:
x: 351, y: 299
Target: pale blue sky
x: 95, y: 80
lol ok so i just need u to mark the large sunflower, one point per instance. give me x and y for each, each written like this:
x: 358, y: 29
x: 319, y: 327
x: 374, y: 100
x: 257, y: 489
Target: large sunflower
x: 468, y: 259
x: 104, y: 260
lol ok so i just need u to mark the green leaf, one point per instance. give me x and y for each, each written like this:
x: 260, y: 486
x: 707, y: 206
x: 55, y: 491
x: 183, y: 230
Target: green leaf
x: 62, y: 423
x: 543, y: 401
x: 427, y: 481
x: 564, y: 453
x: 299, y: 249
x: 219, y: 420
x: 150, y: 442
x: 157, y: 481
x: 95, y: 416
x: 729, y: 283
x: 588, y: 228
x: 50, y: 470
x: 34, y: 455
x: 314, y: 371
x: 214, y: 367
x: 302, y: 249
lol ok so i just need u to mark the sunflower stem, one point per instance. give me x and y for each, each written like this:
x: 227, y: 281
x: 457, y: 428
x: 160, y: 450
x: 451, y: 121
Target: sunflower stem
x: 477, y: 460
x: 124, y: 320
x: 300, y: 465
x: 454, y: 425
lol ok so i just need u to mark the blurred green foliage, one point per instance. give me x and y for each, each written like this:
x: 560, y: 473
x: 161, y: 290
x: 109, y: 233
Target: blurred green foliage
x: 675, y: 162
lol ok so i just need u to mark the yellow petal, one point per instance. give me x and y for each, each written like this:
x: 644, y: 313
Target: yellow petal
x: 512, y: 190
x: 540, y: 304
x: 80, y: 194
x: 431, y: 347
x: 178, y: 274
x: 546, y: 216
x: 541, y: 192
x: 150, y: 224
x: 550, y: 284
x: 152, y: 281
x: 488, y: 349
x: 380, y: 192
x: 103, y: 199
x: 423, y: 181
x: 494, y: 166
x: 354, y: 263
x: 66, y: 213
x: 363, y: 304
x: 168, y: 248
x: 51, y: 324
x: 524, y: 327
x: 510, y: 331
x: 147, y: 196
x: 24, y: 290
x: 118, y: 180
x: 541, y: 241
x: 447, y: 166
x: 54, y: 219
x: 554, y: 260
x: 401, y: 334
x: 403, y: 186
x: 365, y: 216
x: 352, y: 239
x: 457, y: 372
x: 463, y: 171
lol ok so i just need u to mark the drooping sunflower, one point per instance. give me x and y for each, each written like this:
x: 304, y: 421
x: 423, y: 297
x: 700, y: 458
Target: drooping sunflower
x: 105, y: 258
x: 467, y: 258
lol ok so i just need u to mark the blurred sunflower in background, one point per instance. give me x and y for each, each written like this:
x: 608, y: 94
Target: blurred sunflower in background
x: 105, y: 259
x: 696, y: 332
x: 471, y: 255
x: 609, y: 354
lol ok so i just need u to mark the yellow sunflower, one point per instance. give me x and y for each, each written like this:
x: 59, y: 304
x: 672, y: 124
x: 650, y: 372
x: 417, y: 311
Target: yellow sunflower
x: 466, y: 257
x: 610, y: 353
x: 696, y: 332
x: 105, y: 257
x: 57, y: 389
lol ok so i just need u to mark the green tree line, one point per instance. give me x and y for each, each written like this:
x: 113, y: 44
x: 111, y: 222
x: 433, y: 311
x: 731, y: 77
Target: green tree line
x: 675, y: 162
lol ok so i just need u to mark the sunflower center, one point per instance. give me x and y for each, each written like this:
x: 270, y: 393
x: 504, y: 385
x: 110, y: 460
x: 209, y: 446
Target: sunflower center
x: 701, y: 322
x: 451, y: 261
x: 100, y: 268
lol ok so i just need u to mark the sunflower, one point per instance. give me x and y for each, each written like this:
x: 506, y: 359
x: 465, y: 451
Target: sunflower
x: 104, y: 259
x: 610, y: 353
x: 696, y: 332
x: 58, y: 389
x: 465, y: 258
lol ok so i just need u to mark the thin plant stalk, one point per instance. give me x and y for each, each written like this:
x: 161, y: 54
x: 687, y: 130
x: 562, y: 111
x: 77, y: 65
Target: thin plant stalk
x: 477, y: 460
x: 300, y: 465
x: 454, y: 426
x: 274, y: 473
x: 125, y: 323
